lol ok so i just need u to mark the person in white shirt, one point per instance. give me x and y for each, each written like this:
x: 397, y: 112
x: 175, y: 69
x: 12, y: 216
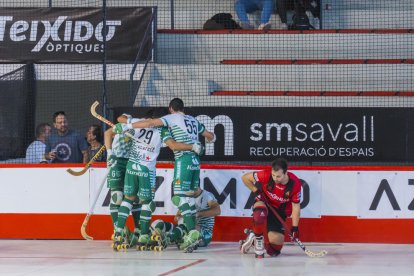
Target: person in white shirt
x: 36, y: 150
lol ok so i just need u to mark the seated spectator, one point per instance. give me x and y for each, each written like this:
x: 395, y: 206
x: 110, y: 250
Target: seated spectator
x: 65, y: 145
x: 94, y: 139
x: 35, y: 153
x: 243, y: 7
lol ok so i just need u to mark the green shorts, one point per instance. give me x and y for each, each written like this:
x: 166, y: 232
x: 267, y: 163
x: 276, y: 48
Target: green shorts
x: 186, y: 174
x: 139, y: 181
x: 116, y: 174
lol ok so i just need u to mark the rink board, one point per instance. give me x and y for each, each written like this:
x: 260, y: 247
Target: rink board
x: 347, y: 204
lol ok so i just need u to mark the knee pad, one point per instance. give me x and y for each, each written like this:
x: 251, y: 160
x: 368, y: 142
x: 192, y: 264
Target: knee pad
x: 148, y: 205
x: 179, y: 201
x: 273, y: 249
x: 159, y: 224
x: 117, y: 197
x: 259, y: 215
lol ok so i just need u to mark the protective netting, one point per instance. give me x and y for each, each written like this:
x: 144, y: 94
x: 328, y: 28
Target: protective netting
x: 317, y: 82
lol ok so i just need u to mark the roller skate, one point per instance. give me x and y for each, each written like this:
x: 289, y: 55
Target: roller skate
x: 259, y: 249
x: 120, y: 241
x: 133, y: 238
x: 145, y: 243
x: 160, y: 238
x: 248, y: 243
x: 190, y: 241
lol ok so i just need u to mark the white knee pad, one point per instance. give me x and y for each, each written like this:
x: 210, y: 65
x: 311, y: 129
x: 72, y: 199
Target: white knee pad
x: 116, y: 197
x: 179, y: 201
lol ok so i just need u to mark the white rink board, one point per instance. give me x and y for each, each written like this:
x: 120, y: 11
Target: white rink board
x: 331, y: 193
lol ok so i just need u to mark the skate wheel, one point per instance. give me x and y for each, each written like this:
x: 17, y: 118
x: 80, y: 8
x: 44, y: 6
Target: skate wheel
x: 119, y: 247
x: 157, y: 248
x: 112, y: 237
x: 142, y: 248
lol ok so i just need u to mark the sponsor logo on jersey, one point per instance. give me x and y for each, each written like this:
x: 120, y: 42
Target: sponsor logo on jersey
x: 136, y: 167
x: 140, y: 173
x: 193, y: 168
x: 273, y: 196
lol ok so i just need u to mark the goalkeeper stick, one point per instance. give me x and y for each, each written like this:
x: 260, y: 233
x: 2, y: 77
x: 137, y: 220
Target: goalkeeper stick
x: 102, y: 119
x: 296, y: 240
x: 88, y: 216
x: 93, y: 159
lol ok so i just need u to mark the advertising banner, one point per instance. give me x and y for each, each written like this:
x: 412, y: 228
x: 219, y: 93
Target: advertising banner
x: 305, y: 134
x: 73, y: 34
x: 385, y: 195
x: 227, y: 187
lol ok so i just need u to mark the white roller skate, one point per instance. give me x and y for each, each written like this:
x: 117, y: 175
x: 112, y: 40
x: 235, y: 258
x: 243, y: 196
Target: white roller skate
x: 248, y: 243
x: 259, y: 249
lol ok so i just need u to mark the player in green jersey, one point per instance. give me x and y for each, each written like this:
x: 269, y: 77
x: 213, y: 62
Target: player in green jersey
x: 140, y: 178
x: 185, y: 129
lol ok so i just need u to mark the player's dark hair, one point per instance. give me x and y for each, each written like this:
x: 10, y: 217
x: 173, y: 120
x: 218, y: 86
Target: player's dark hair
x: 177, y: 104
x: 40, y: 128
x: 280, y: 164
x: 57, y: 113
x: 149, y: 114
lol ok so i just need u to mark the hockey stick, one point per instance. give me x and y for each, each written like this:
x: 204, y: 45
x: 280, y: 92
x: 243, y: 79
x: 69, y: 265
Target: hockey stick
x: 296, y: 240
x: 93, y: 159
x: 88, y: 215
x: 102, y: 119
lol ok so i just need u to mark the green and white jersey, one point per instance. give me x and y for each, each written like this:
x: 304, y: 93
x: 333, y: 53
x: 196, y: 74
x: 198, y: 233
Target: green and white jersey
x: 121, y: 145
x: 201, y: 203
x: 146, y: 153
x: 183, y: 128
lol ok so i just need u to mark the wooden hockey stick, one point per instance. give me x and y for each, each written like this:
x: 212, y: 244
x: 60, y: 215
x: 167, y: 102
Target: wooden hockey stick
x: 296, y: 240
x: 102, y: 119
x: 93, y: 159
x: 89, y: 214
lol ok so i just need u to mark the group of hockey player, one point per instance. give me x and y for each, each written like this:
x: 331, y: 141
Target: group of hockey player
x: 131, y: 180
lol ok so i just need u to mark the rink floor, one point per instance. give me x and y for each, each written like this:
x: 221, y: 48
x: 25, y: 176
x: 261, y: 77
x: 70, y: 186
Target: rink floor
x: 79, y: 257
